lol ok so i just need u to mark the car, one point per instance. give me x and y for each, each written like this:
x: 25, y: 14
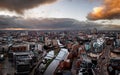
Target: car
x: 2, y: 56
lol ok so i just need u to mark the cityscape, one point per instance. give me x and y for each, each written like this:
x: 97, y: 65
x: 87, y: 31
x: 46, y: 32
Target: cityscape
x: 60, y: 52
x: 59, y: 37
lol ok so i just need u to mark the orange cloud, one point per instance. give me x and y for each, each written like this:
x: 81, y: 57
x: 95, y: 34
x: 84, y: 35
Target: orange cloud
x: 109, y: 10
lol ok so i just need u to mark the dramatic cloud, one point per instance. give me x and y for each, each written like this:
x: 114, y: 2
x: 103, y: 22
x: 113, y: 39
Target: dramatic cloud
x: 20, y: 5
x: 18, y: 23
x: 109, y: 10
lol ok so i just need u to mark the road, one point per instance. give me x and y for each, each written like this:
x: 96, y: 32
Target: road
x: 7, y: 68
x: 62, y: 55
x: 41, y: 56
x: 103, y: 61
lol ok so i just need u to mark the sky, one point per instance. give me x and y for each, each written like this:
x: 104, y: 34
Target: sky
x: 77, y: 9
x: 98, y: 11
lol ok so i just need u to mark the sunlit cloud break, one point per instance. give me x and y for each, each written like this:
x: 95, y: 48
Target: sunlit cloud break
x: 109, y: 10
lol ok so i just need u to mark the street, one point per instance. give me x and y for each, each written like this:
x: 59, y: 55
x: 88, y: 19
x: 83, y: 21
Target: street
x: 103, y: 61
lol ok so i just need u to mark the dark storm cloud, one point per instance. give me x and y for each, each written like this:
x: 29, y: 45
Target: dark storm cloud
x: 7, y: 22
x: 20, y: 5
